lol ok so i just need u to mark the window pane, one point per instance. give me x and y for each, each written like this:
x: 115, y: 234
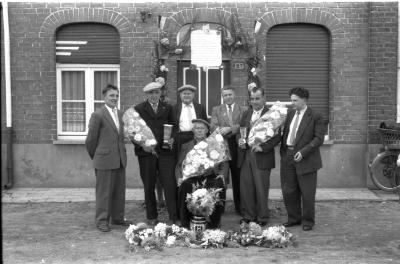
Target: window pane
x: 73, y: 85
x: 73, y: 117
x: 101, y: 79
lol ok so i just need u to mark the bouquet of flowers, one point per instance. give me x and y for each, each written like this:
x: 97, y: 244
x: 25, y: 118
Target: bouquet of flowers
x: 251, y: 234
x: 202, y: 201
x: 141, y: 235
x: 213, y: 238
x: 137, y: 130
x: 268, y: 124
x: 205, y: 156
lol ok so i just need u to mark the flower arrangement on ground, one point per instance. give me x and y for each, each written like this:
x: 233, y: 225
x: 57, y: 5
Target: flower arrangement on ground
x: 251, y: 234
x: 205, y: 156
x: 202, y: 201
x: 137, y: 130
x: 214, y: 238
x: 268, y: 124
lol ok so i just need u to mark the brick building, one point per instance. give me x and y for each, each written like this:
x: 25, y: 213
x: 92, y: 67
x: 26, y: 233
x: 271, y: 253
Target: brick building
x: 61, y: 53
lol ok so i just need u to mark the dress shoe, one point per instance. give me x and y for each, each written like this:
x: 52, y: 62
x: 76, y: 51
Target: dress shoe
x: 288, y: 224
x: 307, y: 228
x: 122, y: 222
x: 104, y: 228
x: 152, y: 222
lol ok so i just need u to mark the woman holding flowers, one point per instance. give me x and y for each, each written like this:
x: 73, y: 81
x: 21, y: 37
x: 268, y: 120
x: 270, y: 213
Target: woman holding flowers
x: 210, y: 179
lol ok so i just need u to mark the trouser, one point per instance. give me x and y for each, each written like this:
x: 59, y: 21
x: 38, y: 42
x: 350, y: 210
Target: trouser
x: 182, y: 138
x: 110, y: 195
x: 235, y: 172
x: 254, y: 189
x: 162, y: 167
x: 187, y: 187
x: 298, y: 191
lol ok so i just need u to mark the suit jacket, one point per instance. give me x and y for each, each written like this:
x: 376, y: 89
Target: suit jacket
x: 266, y: 159
x: 156, y: 123
x: 221, y: 169
x: 105, y: 145
x: 219, y: 118
x: 177, y: 109
x: 310, y: 135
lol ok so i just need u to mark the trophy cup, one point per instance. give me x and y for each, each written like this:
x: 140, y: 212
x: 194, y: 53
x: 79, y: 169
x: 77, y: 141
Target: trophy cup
x: 167, y: 136
x: 243, y: 133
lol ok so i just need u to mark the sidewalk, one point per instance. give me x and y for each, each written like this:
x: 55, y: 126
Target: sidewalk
x: 42, y: 195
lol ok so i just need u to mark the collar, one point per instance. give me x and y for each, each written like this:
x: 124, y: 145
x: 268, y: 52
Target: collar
x: 302, y: 111
x: 110, y: 109
x: 259, y: 111
x: 189, y: 105
x: 153, y: 103
x: 232, y: 105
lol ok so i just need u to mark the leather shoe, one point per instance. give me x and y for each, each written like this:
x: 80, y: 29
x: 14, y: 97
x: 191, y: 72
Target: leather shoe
x: 288, y: 224
x: 104, y: 228
x: 122, y: 222
x: 307, y: 228
x: 152, y: 222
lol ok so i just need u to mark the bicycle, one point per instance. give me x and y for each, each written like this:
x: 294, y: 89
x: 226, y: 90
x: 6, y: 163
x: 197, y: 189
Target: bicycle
x: 384, y: 171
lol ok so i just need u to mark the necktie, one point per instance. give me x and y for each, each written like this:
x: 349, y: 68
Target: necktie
x: 292, y: 136
x: 154, y: 106
x: 230, y: 115
x: 116, y: 118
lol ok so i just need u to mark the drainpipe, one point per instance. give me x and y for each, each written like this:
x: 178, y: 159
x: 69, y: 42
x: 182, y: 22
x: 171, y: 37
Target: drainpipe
x: 398, y: 64
x: 7, y: 66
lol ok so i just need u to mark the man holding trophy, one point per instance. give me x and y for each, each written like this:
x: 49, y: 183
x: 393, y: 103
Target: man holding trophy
x: 158, y: 161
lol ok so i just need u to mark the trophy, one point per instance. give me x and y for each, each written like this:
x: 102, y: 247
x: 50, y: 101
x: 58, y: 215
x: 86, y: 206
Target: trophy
x: 243, y: 133
x: 167, y: 136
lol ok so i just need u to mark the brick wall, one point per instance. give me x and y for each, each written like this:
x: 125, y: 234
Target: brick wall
x: 352, y: 27
x: 383, y: 50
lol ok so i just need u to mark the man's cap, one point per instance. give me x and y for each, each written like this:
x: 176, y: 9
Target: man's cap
x: 201, y: 121
x: 152, y: 86
x: 187, y: 87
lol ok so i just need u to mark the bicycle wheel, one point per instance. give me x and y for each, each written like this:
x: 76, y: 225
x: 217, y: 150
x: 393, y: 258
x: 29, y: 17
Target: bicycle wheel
x: 384, y: 172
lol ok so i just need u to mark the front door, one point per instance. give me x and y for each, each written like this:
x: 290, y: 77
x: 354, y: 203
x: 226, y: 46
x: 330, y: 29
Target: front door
x: 208, y: 82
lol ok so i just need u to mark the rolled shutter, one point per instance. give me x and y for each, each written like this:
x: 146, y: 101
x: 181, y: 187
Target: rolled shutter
x: 88, y: 43
x: 298, y: 55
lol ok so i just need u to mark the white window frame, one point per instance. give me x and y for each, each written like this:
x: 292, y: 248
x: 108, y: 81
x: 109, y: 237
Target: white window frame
x: 89, y: 70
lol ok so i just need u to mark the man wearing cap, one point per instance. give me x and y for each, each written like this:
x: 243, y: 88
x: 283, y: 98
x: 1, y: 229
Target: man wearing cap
x: 213, y: 179
x: 227, y: 117
x: 157, y: 113
x: 184, y: 112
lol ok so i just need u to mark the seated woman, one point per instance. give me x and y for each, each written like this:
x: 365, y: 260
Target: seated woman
x: 213, y: 179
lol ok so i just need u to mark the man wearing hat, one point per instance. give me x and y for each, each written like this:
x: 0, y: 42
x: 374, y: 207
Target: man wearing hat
x: 213, y: 179
x: 157, y: 113
x: 184, y: 112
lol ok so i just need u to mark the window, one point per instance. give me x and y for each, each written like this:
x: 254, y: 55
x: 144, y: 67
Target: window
x: 79, y: 94
x: 87, y: 56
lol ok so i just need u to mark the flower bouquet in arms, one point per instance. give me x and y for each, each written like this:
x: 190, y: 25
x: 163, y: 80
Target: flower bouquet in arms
x: 268, y: 125
x: 205, y: 156
x: 137, y: 130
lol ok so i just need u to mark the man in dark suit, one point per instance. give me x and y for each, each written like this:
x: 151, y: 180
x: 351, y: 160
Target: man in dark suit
x: 227, y: 117
x: 183, y: 113
x: 106, y: 147
x: 256, y: 164
x: 156, y: 114
x: 303, y: 133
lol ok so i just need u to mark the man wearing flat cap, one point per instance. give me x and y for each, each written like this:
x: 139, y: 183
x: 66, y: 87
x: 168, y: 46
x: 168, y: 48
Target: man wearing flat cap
x: 212, y: 179
x: 157, y: 113
x: 184, y: 112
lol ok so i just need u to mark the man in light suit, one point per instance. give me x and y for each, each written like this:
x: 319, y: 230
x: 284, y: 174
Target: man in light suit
x: 184, y: 112
x: 303, y: 133
x: 256, y: 164
x: 227, y: 117
x: 106, y: 147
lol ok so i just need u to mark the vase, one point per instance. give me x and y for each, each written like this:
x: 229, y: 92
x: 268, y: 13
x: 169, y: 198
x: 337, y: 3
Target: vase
x: 198, y: 224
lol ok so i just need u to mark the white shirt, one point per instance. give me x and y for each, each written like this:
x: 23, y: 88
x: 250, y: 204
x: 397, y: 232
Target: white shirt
x: 185, y: 123
x: 110, y: 110
x: 256, y: 115
x: 301, y: 114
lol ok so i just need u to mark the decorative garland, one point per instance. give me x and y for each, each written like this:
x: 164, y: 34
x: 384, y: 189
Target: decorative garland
x: 253, y: 67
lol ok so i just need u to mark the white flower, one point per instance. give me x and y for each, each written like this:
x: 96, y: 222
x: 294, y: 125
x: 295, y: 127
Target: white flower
x: 163, y: 68
x: 274, y: 115
x: 219, y: 138
x: 251, y: 86
x: 137, y: 137
x: 170, y: 241
x: 135, y: 114
x: 130, y: 129
x: 160, y: 80
x: 199, y: 192
x: 160, y: 229
x: 202, y: 145
x: 253, y: 70
x: 136, y: 129
x: 150, y: 142
x: 270, y: 132
x: 214, y: 154
x: 142, y: 122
